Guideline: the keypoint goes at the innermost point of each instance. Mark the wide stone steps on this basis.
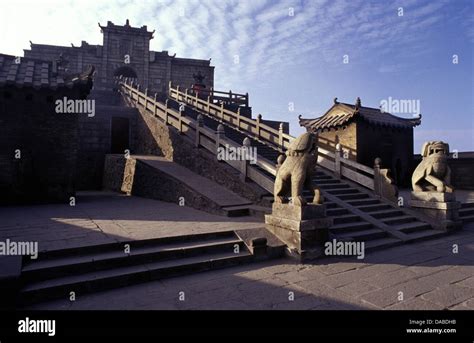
(352, 226)
(55, 274)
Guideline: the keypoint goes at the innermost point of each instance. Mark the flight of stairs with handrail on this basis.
(358, 214)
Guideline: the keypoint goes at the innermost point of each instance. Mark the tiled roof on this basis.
(342, 114)
(37, 74)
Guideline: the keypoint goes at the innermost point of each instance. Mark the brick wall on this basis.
(47, 141)
(346, 136)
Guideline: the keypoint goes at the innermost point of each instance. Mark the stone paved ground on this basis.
(428, 274)
(104, 217)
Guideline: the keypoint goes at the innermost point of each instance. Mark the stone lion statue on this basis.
(433, 172)
(294, 172)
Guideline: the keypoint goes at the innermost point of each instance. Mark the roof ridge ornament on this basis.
(335, 101)
(358, 103)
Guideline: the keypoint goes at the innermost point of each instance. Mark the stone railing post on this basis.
(280, 136)
(199, 124)
(169, 88)
(138, 94)
(146, 98)
(177, 93)
(377, 183)
(208, 103)
(244, 163)
(337, 161)
(166, 112)
(222, 110)
(186, 95)
(181, 116)
(384, 186)
(154, 104)
(220, 133)
(259, 119)
(238, 117)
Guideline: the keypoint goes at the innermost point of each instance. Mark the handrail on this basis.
(253, 127)
(334, 162)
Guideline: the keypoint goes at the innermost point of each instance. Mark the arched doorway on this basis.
(125, 72)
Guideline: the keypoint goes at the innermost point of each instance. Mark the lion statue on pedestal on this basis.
(433, 173)
(295, 171)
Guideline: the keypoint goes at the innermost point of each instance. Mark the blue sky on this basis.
(293, 51)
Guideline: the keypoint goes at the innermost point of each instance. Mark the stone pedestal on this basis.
(441, 208)
(303, 229)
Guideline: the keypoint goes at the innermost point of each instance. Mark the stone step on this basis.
(70, 265)
(424, 235)
(125, 276)
(355, 196)
(346, 218)
(327, 181)
(364, 202)
(331, 186)
(343, 191)
(386, 213)
(331, 205)
(336, 212)
(374, 207)
(467, 205)
(466, 211)
(399, 220)
(467, 219)
(363, 235)
(413, 227)
(347, 227)
(236, 211)
(318, 178)
(382, 243)
(137, 244)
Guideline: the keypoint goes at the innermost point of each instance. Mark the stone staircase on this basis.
(358, 215)
(100, 267)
